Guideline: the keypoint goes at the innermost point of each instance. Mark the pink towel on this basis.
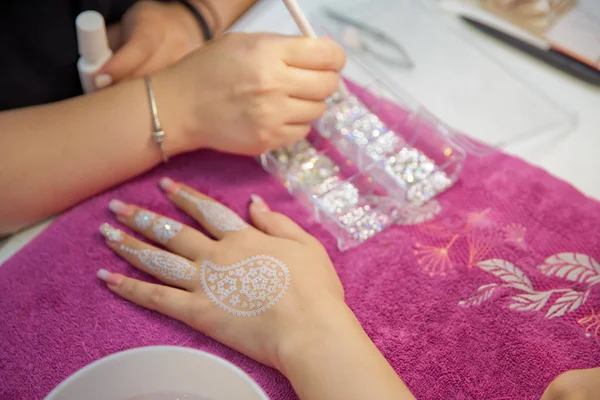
(488, 292)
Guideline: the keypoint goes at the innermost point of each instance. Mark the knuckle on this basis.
(261, 111)
(331, 83)
(156, 297)
(145, 42)
(130, 287)
(263, 138)
(333, 56)
(263, 81)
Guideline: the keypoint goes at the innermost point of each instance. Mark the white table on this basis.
(575, 158)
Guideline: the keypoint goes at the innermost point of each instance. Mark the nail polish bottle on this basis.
(92, 44)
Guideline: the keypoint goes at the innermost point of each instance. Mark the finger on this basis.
(302, 111)
(294, 133)
(161, 59)
(138, 49)
(175, 236)
(309, 53)
(164, 266)
(312, 85)
(275, 224)
(115, 36)
(217, 219)
(172, 302)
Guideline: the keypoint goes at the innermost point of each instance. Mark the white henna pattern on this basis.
(248, 288)
(216, 214)
(166, 229)
(143, 219)
(163, 263)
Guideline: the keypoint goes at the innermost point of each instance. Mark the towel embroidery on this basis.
(166, 229)
(591, 323)
(248, 288)
(216, 214)
(143, 219)
(476, 234)
(579, 268)
(165, 264)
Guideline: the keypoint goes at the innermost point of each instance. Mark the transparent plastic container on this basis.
(373, 153)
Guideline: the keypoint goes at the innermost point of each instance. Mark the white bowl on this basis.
(159, 369)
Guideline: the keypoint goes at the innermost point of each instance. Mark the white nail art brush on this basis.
(308, 31)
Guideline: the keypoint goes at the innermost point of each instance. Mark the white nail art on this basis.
(248, 288)
(143, 219)
(216, 214)
(164, 264)
(112, 234)
(166, 229)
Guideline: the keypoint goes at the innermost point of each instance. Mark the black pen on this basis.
(548, 55)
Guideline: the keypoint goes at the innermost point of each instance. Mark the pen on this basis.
(548, 55)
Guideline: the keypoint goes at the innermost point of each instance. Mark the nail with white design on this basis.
(112, 234)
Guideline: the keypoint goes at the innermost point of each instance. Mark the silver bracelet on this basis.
(158, 135)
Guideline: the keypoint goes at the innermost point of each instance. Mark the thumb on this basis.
(135, 52)
(275, 224)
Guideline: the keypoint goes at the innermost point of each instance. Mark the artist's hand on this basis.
(150, 36)
(248, 93)
(581, 384)
(253, 288)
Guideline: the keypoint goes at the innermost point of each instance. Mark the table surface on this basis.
(574, 158)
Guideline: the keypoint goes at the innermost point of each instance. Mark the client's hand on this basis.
(248, 93)
(253, 288)
(580, 384)
(150, 36)
(268, 291)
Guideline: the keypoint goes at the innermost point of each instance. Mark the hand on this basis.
(249, 93)
(253, 288)
(582, 384)
(153, 35)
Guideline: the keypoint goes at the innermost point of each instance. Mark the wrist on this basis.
(173, 110)
(189, 20)
(299, 346)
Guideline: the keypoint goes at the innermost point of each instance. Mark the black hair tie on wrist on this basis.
(199, 17)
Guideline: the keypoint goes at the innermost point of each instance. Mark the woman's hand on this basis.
(151, 35)
(267, 290)
(252, 288)
(581, 384)
(249, 93)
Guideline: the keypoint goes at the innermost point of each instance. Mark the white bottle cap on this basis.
(92, 41)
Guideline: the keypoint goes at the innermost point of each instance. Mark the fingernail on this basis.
(112, 234)
(259, 203)
(102, 81)
(120, 208)
(109, 277)
(168, 185)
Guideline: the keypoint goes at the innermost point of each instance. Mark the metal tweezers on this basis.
(402, 60)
